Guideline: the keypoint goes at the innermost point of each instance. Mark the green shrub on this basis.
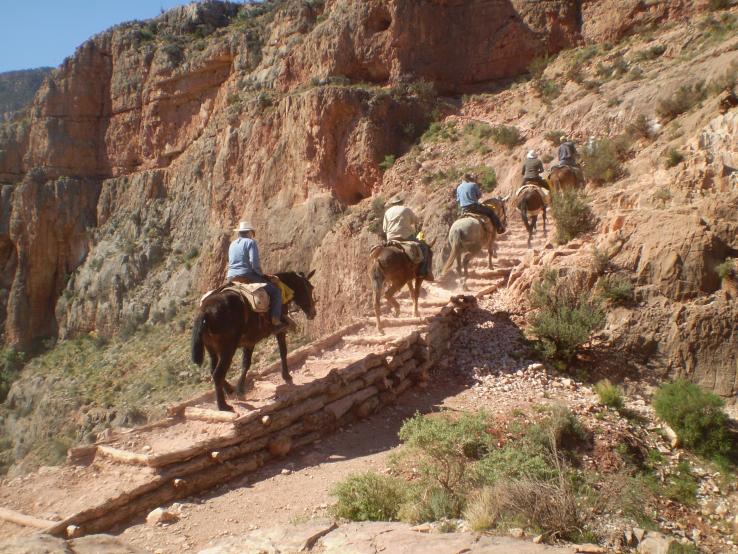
(376, 215)
(565, 319)
(369, 497)
(679, 548)
(715, 5)
(617, 288)
(561, 430)
(683, 100)
(11, 362)
(726, 269)
(673, 158)
(603, 161)
(445, 447)
(514, 461)
(600, 261)
(440, 132)
(547, 88)
(506, 135)
(696, 416)
(681, 486)
(573, 215)
(609, 394)
(389, 161)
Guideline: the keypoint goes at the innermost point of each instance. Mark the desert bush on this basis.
(617, 68)
(726, 81)
(681, 486)
(716, 5)
(673, 158)
(600, 261)
(547, 88)
(538, 66)
(554, 137)
(696, 416)
(389, 161)
(486, 177)
(683, 100)
(559, 431)
(651, 53)
(369, 497)
(514, 461)
(640, 127)
(603, 161)
(440, 132)
(573, 215)
(610, 395)
(616, 288)
(726, 269)
(11, 361)
(477, 136)
(506, 135)
(565, 319)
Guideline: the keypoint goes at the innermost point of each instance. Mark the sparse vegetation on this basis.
(651, 53)
(615, 288)
(369, 497)
(640, 127)
(486, 177)
(538, 66)
(683, 100)
(673, 158)
(440, 132)
(573, 215)
(697, 418)
(603, 162)
(389, 161)
(662, 196)
(376, 215)
(600, 261)
(506, 135)
(547, 88)
(609, 394)
(726, 269)
(11, 361)
(554, 137)
(565, 319)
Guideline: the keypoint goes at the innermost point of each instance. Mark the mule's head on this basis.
(499, 205)
(300, 283)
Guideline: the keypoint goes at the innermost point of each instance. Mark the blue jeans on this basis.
(275, 295)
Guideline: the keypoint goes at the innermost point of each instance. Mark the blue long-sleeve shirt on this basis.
(468, 194)
(243, 258)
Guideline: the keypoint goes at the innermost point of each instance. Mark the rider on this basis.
(401, 223)
(244, 266)
(568, 157)
(468, 196)
(532, 169)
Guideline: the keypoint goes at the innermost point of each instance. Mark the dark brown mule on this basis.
(563, 178)
(225, 323)
(389, 264)
(531, 204)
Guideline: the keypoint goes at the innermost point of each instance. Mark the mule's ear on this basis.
(310, 275)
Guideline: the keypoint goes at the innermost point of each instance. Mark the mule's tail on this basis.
(197, 346)
(377, 277)
(455, 252)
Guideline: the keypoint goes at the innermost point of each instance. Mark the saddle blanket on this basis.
(410, 248)
(254, 294)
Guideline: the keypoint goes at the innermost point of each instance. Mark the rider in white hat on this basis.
(401, 223)
(532, 169)
(244, 265)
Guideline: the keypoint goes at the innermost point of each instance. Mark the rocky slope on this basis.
(17, 89)
(146, 147)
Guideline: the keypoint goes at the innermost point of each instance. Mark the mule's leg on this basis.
(219, 376)
(465, 269)
(390, 296)
(545, 232)
(282, 342)
(415, 293)
(245, 365)
(377, 285)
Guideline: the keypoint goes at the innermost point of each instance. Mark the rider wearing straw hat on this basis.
(532, 169)
(244, 265)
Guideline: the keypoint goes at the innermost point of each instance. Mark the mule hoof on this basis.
(227, 387)
(226, 408)
(287, 379)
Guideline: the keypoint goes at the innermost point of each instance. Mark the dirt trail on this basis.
(127, 464)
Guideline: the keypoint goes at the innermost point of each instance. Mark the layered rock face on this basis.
(146, 147)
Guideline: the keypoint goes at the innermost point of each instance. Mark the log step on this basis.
(19, 518)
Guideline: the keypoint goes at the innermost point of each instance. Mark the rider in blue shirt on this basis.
(244, 265)
(468, 196)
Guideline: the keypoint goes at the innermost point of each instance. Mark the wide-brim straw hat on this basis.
(244, 226)
(398, 198)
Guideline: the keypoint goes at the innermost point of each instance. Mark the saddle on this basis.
(482, 219)
(253, 294)
(546, 195)
(411, 249)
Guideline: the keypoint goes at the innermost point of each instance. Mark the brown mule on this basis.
(563, 178)
(531, 203)
(389, 264)
(224, 323)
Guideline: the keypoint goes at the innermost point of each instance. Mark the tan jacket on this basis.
(400, 223)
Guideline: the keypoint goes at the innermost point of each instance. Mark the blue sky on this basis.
(43, 32)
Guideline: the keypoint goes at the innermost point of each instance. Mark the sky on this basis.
(44, 32)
